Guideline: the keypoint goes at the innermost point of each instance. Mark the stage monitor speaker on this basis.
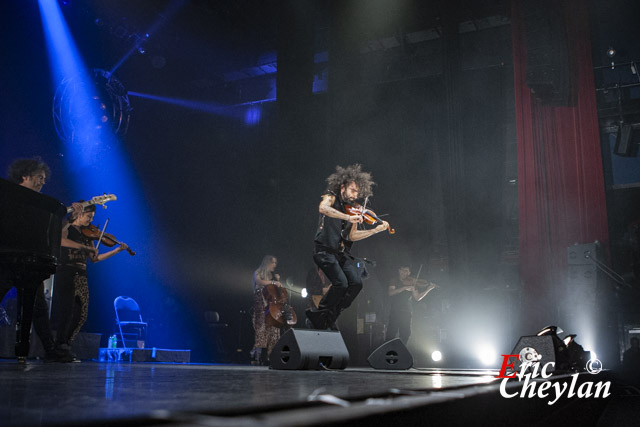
(543, 349)
(583, 254)
(309, 349)
(391, 355)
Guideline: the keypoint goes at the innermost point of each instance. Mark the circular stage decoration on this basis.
(102, 101)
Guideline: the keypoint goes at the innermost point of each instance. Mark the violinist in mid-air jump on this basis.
(337, 230)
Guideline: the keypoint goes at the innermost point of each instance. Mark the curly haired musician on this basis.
(334, 237)
(33, 174)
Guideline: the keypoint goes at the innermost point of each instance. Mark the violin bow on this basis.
(364, 210)
(415, 281)
(102, 233)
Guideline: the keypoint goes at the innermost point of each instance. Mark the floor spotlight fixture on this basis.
(578, 357)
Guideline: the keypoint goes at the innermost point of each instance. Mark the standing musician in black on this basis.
(33, 174)
(402, 291)
(336, 233)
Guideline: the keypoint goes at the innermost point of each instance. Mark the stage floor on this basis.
(137, 394)
(39, 393)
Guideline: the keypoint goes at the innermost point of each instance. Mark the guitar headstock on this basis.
(101, 200)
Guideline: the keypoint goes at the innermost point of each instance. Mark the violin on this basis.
(418, 283)
(93, 233)
(279, 313)
(368, 216)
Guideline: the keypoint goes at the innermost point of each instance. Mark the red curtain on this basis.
(561, 185)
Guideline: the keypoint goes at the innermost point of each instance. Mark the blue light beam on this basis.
(205, 107)
(96, 164)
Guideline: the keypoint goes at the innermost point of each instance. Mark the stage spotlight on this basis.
(487, 355)
(568, 339)
(109, 100)
(304, 293)
(578, 357)
(436, 356)
(550, 330)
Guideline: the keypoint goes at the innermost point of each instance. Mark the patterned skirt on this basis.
(266, 335)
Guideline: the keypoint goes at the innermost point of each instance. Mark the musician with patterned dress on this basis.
(72, 288)
(266, 335)
(337, 230)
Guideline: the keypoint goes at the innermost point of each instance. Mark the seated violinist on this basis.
(71, 297)
(402, 291)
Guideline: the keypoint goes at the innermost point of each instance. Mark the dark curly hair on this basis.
(353, 173)
(26, 167)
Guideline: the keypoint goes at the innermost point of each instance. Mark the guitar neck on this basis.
(83, 204)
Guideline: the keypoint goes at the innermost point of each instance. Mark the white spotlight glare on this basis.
(303, 292)
(487, 355)
(436, 356)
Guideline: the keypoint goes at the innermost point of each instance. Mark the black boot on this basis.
(264, 357)
(317, 318)
(256, 354)
(327, 313)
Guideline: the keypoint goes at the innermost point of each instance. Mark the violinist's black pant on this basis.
(346, 281)
(399, 324)
(71, 302)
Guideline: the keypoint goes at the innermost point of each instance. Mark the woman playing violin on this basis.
(266, 335)
(337, 230)
(402, 290)
(72, 289)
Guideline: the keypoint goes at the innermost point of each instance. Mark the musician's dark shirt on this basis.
(332, 234)
(74, 256)
(402, 300)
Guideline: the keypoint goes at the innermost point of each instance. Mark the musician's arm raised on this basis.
(419, 295)
(325, 208)
(355, 234)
